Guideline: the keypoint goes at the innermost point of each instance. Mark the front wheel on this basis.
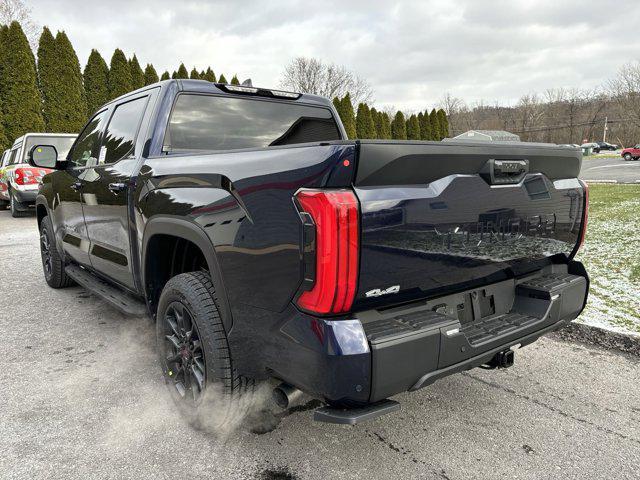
(52, 263)
(195, 357)
(628, 157)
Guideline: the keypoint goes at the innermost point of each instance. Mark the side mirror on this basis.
(43, 156)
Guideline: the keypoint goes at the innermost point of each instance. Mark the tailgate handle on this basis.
(504, 172)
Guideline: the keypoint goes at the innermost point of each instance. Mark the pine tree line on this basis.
(49, 92)
(367, 122)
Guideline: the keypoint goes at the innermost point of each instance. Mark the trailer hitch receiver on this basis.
(502, 359)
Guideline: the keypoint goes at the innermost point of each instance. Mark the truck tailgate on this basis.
(437, 218)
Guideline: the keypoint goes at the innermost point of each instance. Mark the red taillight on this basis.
(335, 214)
(25, 176)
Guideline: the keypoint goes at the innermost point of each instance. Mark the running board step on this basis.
(351, 416)
(110, 294)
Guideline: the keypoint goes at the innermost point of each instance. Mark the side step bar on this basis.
(351, 416)
(110, 294)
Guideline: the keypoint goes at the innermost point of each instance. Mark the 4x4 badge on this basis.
(377, 292)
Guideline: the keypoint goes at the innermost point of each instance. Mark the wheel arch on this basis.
(182, 229)
(42, 210)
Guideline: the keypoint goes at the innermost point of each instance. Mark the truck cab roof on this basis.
(203, 86)
(33, 134)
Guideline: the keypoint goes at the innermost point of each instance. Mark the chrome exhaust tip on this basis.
(285, 395)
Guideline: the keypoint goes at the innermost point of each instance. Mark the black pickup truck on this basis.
(266, 246)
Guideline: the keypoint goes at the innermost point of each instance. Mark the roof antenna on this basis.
(247, 83)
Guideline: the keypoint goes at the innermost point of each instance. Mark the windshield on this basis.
(62, 144)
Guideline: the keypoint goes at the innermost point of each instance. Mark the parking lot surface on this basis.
(82, 397)
(613, 168)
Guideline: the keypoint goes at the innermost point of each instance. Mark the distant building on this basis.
(488, 136)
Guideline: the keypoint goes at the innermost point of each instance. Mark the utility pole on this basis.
(604, 133)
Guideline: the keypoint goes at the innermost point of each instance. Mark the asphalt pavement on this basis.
(82, 397)
(610, 169)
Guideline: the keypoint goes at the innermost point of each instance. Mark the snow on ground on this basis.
(611, 255)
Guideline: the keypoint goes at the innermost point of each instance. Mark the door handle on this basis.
(117, 187)
(76, 186)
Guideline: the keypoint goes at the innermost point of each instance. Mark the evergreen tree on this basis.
(235, 81)
(4, 141)
(222, 79)
(194, 75)
(443, 121)
(413, 128)
(73, 99)
(48, 76)
(3, 33)
(137, 75)
(21, 106)
(398, 127)
(425, 126)
(349, 118)
(119, 75)
(96, 82)
(174, 75)
(364, 124)
(435, 126)
(338, 105)
(182, 72)
(374, 118)
(202, 74)
(209, 76)
(385, 128)
(150, 75)
(165, 76)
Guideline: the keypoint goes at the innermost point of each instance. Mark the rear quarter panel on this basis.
(243, 200)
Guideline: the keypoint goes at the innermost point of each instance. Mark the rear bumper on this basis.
(383, 353)
(26, 196)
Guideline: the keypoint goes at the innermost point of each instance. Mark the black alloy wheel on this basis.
(53, 264)
(194, 354)
(45, 251)
(184, 357)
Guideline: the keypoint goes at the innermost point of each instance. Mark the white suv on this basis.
(18, 180)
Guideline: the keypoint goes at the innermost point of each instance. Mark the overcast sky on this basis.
(410, 52)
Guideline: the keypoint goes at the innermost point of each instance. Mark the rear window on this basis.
(62, 144)
(201, 122)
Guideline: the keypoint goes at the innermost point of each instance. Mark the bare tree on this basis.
(450, 104)
(11, 10)
(310, 75)
(625, 91)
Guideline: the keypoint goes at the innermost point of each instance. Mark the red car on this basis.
(632, 153)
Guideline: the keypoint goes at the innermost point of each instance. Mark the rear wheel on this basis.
(52, 263)
(195, 357)
(628, 157)
(18, 209)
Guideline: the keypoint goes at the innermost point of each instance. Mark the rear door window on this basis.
(119, 139)
(14, 156)
(207, 122)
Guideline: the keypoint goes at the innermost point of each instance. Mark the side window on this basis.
(14, 156)
(86, 147)
(120, 137)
